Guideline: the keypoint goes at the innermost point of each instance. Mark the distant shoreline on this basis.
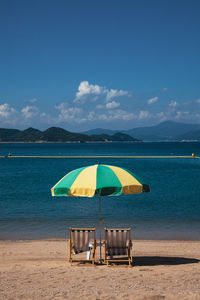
(72, 142)
(101, 142)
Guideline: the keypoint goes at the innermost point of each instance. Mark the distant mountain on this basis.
(98, 131)
(167, 130)
(16, 135)
(120, 136)
(56, 134)
(190, 136)
(8, 134)
(53, 134)
(28, 135)
(117, 137)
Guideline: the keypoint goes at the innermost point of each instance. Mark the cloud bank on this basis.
(94, 104)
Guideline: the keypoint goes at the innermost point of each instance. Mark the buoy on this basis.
(193, 155)
(9, 154)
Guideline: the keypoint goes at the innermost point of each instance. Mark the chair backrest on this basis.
(80, 239)
(116, 241)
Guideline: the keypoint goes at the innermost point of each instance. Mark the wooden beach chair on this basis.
(82, 240)
(117, 243)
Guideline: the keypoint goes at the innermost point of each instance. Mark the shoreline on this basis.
(70, 142)
(103, 142)
(66, 239)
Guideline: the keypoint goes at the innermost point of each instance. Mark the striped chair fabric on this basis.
(117, 242)
(80, 240)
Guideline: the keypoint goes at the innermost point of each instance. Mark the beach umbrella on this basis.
(101, 180)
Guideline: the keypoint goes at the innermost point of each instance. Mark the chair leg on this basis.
(69, 251)
(129, 261)
(93, 255)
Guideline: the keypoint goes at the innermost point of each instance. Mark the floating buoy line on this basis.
(100, 156)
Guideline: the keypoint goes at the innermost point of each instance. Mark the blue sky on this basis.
(87, 64)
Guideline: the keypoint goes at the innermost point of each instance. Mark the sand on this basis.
(40, 270)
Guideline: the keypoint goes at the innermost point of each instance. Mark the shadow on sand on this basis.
(162, 260)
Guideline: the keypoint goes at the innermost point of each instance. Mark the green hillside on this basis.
(56, 134)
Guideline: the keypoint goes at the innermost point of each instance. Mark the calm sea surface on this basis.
(170, 211)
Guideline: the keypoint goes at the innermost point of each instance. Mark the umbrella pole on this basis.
(100, 224)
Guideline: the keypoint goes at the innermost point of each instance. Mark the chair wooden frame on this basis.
(129, 246)
(70, 249)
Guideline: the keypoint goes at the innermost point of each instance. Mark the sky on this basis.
(112, 64)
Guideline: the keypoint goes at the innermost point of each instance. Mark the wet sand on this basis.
(39, 269)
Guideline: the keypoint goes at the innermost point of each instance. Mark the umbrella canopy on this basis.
(103, 180)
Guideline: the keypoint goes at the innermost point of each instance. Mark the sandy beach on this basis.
(39, 269)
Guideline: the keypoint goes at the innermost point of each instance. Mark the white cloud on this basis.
(143, 114)
(6, 110)
(198, 100)
(68, 113)
(182, 114)
(165, 89)
(115, 93)
(79, 115)
(62, 106)
(173, 104)
(91, 116)
(152, 100)
(100, 106)
(161, 116)
(117, 114)
(113, 104)
(85, 90)
(43, 114)
(29, 111)
(93, 92)
(173, 114)
(124, 115)
(33, 100)
(178, 115)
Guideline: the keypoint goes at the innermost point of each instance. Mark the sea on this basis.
(171, 211)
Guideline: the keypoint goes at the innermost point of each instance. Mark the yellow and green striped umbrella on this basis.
(99, 179)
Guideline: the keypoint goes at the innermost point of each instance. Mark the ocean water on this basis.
(170, 211)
